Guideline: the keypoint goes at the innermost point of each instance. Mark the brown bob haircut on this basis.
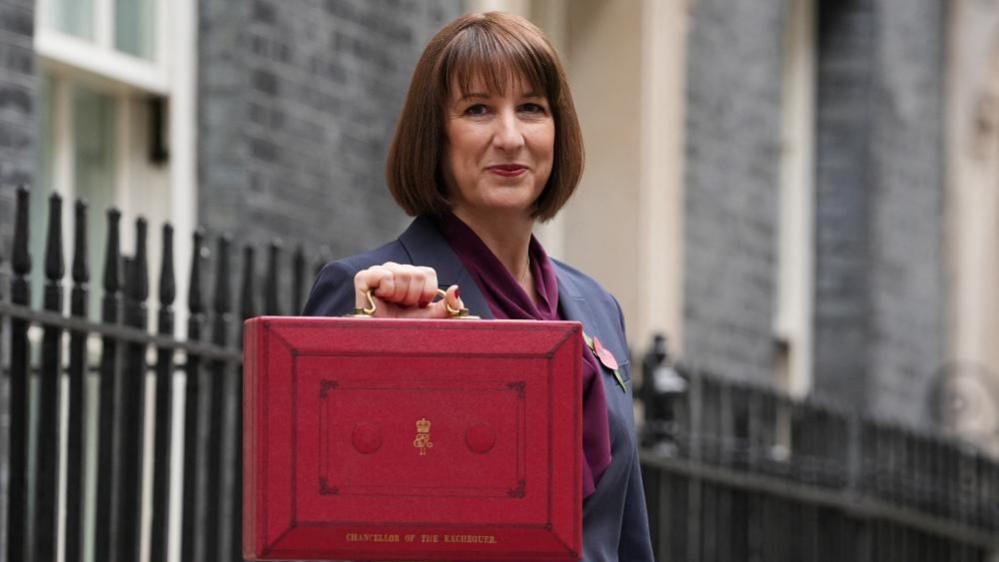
(500, 49)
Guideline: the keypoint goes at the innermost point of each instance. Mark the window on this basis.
(133, 25)
(108, 83)
(77, 150)
(130, 23)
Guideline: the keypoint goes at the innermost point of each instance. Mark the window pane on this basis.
(133, 27)
(75, 17)
(94, 158)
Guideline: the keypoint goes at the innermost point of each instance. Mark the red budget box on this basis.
(372, 439)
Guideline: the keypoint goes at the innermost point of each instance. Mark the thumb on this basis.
(452, 300)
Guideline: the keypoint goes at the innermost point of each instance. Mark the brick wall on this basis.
(733, 127)
(880, 292)
(17, 167)
(17, 99)
(297, 104)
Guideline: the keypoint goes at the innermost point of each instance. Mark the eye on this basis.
(533, 108)
(476, 109)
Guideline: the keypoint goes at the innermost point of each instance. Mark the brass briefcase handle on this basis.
(369, 311)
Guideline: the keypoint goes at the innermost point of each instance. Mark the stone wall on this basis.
(732, 181)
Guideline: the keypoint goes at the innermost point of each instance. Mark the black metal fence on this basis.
(732, 472)
(97, 373)
(737, 472)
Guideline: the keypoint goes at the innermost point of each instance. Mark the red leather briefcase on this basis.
(371, 439)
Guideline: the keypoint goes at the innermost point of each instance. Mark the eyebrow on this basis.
(484, 95)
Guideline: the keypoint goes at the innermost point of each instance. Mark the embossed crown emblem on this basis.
(423, 425)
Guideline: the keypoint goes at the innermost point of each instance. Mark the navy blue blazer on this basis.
(615, 524)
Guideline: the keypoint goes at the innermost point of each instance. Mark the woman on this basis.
(487, 145)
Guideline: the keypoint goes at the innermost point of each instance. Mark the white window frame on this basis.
(170, 74)
(99, 56)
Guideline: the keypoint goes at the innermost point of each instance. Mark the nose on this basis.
(508, 135)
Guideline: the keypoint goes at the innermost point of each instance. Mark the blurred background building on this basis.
(798, 193)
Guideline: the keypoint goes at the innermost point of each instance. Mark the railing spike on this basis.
(46, 470)
(81, 269)
(248, 306)
(195, 386)
(55, 266)
(216, 423)
(108, 485)
(132, 406)
(77, 425)
(138, 274)
(195, 300)
(168, 285)
(21, 258)
(17, 462)
(222, 279)
(112, 253)
(272, 304)
(163, 413)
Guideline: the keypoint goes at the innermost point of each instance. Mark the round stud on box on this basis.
(480, 438)
(366, 438)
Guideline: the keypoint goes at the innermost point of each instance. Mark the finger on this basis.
(451, 298)
(369, 279)
(429, 291)
(414, 294)
(397, 290)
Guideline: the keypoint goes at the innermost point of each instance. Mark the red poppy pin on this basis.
(606, 358)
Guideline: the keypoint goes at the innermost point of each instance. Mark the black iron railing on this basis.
(737, 472)
(121, 358)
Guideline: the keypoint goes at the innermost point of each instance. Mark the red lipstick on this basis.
(508, 170)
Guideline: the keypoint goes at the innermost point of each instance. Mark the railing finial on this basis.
(21, 258)
(248, 305)
(112, 254)
(81, 269)
(137, 288)
(55, 266)
(168, 286)
(195, 300)
(272, 304)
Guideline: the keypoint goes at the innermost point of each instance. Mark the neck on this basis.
(507, 237)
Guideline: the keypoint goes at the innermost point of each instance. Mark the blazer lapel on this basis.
(425, 246)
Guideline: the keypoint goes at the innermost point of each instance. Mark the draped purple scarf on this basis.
(508, 300)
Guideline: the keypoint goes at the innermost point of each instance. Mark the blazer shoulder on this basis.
(582, 285)
(578, 285)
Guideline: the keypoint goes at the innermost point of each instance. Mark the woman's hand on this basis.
(404, 291)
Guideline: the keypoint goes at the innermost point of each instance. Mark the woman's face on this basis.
(499, 148)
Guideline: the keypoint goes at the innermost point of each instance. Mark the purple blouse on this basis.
(508, 300)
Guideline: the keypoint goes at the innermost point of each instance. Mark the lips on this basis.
(507, 170)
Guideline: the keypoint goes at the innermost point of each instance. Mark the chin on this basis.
(510, 204)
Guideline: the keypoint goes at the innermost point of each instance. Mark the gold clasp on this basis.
(369, 311)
